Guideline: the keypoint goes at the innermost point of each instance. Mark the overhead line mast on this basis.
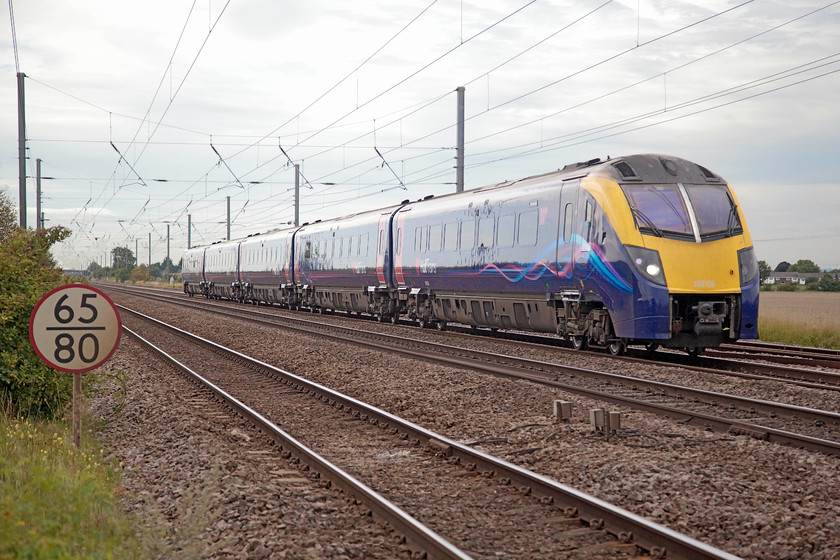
(21, 149)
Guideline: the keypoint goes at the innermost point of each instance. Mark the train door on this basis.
(382, 242)
(567, 242)
(583, 234)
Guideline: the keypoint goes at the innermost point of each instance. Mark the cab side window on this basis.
(568, 217)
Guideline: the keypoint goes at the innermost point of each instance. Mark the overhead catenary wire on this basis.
(406, 78)
(183, 80)
(474, 36)
(337, 189)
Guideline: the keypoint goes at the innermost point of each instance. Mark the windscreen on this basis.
(663, 210)
(716, 213)
(659, 208)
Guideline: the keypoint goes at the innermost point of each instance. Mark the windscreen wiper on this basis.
(732, 222)
(647, 221)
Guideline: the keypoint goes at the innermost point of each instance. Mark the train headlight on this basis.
(748, 265)
(647, 263)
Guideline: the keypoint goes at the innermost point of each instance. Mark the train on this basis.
(645, 249)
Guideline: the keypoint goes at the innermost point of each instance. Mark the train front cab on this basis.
(694, 270)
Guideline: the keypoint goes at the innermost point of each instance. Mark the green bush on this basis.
(27, 272)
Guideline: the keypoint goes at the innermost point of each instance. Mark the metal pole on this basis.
(167, 242)
(22, 149)
(189, 231)
(77, 409)
(228, 218)
(150, 248)
(297, 195)
(38, 222)
(136, 250)
(459, 148)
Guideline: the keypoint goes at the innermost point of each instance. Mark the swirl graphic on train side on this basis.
(541, 266)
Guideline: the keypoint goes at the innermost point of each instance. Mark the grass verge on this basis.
(799, 334)
(57, 502)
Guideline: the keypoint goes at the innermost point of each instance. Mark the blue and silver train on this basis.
(643, 249)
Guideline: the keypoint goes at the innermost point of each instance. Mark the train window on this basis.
(435, 234)
(450, 236)
(485, 232)
(715, 211)
(399, 240)
(587, 222)
(658, 209)
(527, 229)
(307, 250)
(505, 234)
(381, 242)
(467, 235)
(567, 223)
(419, 246)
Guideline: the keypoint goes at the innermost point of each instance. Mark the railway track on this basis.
(782, 354)
(808, 428)
(421, 469)
(756, 364)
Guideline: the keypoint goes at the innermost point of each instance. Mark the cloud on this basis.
(265, 62)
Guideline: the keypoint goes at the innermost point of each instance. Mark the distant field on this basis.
(804, 318)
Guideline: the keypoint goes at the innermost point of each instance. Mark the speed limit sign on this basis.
(75, 328)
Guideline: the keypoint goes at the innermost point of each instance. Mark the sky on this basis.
(148, 114)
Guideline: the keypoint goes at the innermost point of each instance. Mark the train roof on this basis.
(646, 168)
(643, 168)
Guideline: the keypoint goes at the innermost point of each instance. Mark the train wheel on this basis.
(441, 325)
(651, 347)
(617, 348)
(395, 318)
(694, 351)
(579, 342)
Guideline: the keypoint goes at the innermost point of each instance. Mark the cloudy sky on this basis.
(146, 112)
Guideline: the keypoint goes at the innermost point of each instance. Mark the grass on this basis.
(801, 318)
(57, 502)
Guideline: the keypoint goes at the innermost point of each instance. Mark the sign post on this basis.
(75, 329)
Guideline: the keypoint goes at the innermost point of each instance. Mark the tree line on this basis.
(123, 268)
(828, 282)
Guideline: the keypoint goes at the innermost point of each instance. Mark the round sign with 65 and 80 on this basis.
(75, 328)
